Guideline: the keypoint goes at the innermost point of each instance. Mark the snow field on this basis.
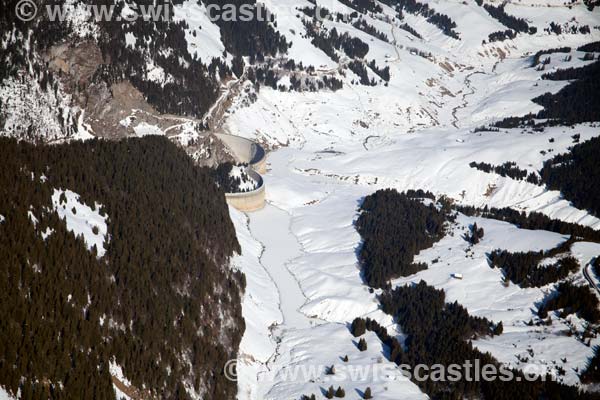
(81, 219)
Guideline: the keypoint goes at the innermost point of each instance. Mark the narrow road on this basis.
(214, 116)
(588, 277)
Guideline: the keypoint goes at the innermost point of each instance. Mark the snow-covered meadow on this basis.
(417, 133)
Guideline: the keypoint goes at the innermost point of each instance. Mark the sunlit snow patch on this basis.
(4, 395)
(32, 218)
(49, 231)
(202, 35)
(84, 221)
(80, 18)
(145, 129)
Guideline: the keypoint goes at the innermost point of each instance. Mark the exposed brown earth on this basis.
(131, 391)
(113, 111)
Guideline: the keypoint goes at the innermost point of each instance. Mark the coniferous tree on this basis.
(163, 216)
(362, 344)
(395, 227)
(575, 174)
(572, 300)
(358, 327)
(330, 392)
(524, 270)
(498, 329)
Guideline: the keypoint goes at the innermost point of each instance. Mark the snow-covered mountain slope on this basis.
(417, 132)
(429, 67)
(322, 209)
(343, 121)
(105, 244)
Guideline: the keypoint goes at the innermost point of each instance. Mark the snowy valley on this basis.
(417, 132)
(348, 98)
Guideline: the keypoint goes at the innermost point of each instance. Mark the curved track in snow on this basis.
(587, 276)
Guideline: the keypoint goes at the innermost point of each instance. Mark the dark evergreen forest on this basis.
(370, 29)
(255, 38)
(511, 22)
(395, 227)
(363, 6)
(577, 102)
(592, 372)
(500, 36)
(442, 21)
(508, 169)
(163, 289)
(537, 56)
(439, 332)
(195, 82)
(577, 175)
(532, 220)
(523, 268)
(572, 299)
(331, 41)
(590, 47)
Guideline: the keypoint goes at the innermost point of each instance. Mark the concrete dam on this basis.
(248, 152)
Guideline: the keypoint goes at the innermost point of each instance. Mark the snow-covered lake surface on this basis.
(271, 227)
(288, 357)
(299, 347)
